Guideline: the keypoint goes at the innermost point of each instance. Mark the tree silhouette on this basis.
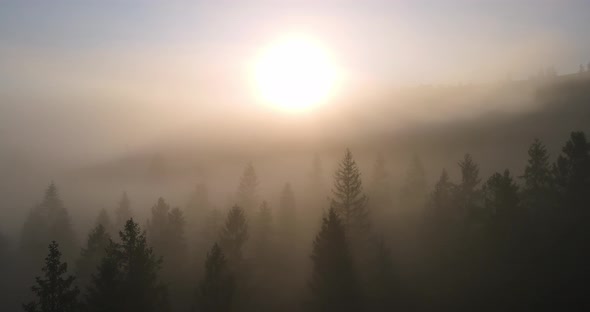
(216, 290)
(468, 196)
(441, 199)
(348, 199)
(572, 171)
(234, 235)
(104, 219)
(92, 255)
(127, 278)
(263, 232)
(287, 216)
(333, 283)
(537, 190)
(247, 195)
(501, 199)
(123, 211)
(413, 192)
(46, 222)
(55, 293)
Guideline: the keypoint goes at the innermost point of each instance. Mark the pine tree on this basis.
(127, 278)
(380, 188)
(123, 211)
(413, 192)
(501, 199)
(247, 195)
(158, 227)
(538, 183)
(92, 254)
(216, 290)
(55, 293)
(263, 232)
(348, 199)
(48, 221)
(234, 235)
(333, 283)
(104, 219)
(468, 197)
(572, 172)
(287, 218)
(441, 199)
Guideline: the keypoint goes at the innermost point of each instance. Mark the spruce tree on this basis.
(441, 199)
(572, 172)
(234, 235)
(127, 278)
(216, 290)
(123, 212)
(158, 227)
(468, 196)
(380, 188)
(333, 284)
(538, 188)
(54, 291)
(501, 199)
(104, 219)
(46, 222)
(287, 216)
(413, 192)
(92, 254)
(263, 232)
(348, 199)
(247, 195)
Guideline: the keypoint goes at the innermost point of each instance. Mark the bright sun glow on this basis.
(295, 74)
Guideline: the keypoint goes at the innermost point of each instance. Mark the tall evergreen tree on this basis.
(572, 172)
(55, 292)
(123, 211)
(127, 278)
(48, 221)
(348, 199)
(104, 219)
(537, 190)
(501, 198)
(380, 188)
(441, 199)
(468, 195)
(92, 255)
(413, 192)
(263, 232)
(234, 235)
(333, 283)
(216, 290)
(287, 216)
(158, 227)
(247, 195)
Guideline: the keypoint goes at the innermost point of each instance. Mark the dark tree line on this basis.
(508, 242)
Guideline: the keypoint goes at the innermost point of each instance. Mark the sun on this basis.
(295, 73)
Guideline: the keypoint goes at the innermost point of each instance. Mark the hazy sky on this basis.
(143, 66)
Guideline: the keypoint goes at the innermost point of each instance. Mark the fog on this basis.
(159, 102)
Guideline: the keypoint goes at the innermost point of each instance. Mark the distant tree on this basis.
(46, 222)
(123, 212)
(104, 219)
(380, 187)
(537, 190)
(54, 291)
(92, 254)
(158, 226)
(384, 292)
(216, 290)
(263, 231)
(234, 235)
(127, 278)
(441, 199)
(287, 216)
(247, 195)
(348, 199)
(501, 199)
(166, 234)
(333, 284)
(468, 196)
(572, 171)
(413, 193)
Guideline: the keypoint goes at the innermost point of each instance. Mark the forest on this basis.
(509, 241)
